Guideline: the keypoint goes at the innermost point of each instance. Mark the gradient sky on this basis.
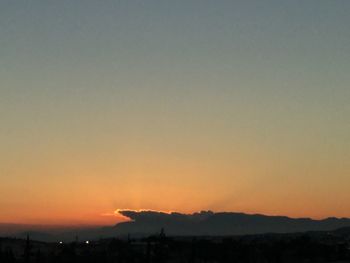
(173, 105)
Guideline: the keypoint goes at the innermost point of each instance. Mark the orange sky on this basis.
(232, 106)
(84, 190)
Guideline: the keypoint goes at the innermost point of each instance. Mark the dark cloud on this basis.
(149, 215)
(223, 223)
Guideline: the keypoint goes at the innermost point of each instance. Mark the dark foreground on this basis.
(309, 247)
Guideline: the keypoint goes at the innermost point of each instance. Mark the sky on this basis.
(181, 106)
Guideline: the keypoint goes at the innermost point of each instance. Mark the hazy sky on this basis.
(173, 105)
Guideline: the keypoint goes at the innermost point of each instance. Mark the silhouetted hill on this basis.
(39, 236)
(7, 229)
(344, 231)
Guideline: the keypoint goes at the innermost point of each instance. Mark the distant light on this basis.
(61, 242)
(87, 242)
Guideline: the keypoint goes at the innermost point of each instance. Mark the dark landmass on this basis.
(205, 223)
(315, 247)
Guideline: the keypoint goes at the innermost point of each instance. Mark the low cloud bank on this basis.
(222, 223)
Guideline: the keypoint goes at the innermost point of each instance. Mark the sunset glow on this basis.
(173, 106)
